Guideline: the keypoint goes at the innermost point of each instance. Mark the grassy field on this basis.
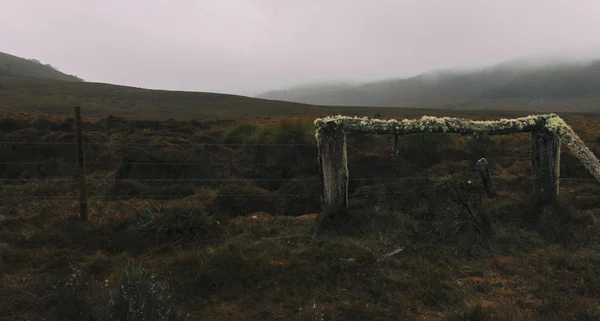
(213, 219)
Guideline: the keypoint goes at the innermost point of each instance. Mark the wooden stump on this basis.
(484, 172)
(333, 167)
(545, 163)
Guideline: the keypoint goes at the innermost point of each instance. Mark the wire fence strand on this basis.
(261, 179)
(118, 144)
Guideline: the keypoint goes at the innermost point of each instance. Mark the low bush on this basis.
(141, 296)
(240, 200)
(298, 197)
(68, 299)
(465, 209)
(177, 222)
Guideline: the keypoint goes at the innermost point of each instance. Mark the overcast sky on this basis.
(249, 46)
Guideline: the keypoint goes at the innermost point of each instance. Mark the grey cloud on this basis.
(248, 46)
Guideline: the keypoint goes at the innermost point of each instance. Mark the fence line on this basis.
(122, 146)
(158, 196)
(257, 179)
(161, 144)
(547, 133)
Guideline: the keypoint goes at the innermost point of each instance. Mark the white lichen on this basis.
(431, 124)
(426, 124)
(568, 136)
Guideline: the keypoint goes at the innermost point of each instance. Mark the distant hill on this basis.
(526, 79)
(100, 100)
(320, 94)
(505, 90)
(13, 66)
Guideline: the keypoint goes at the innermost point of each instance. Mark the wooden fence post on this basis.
(83, 205)
(545, 163)
(332, 157)
(395, 152)
(484, 172)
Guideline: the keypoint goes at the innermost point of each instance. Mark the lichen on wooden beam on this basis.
(568, 137)
(428, 124)
(548, 131)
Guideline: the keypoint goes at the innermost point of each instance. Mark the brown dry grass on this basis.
(264, 266)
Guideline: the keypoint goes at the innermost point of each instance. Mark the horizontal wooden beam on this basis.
(428, 124)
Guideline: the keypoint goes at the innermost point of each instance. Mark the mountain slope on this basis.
(319, 94)
(100, 100)
(509, 80)
(13, 66)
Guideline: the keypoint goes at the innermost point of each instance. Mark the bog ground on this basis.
(213, 219)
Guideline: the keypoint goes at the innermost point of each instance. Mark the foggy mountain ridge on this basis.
(13, 66)
(528, 78)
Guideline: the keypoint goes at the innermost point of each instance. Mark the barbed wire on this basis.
(160, 144)
(261, 179)
(117, 162)
(181, 196)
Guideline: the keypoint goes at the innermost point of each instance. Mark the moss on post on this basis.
(332, 157)
(545, 163)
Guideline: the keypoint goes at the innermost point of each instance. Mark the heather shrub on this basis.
(287, 132)
(420, 211)
(465, 208)
(241, 199)
(141, 296)
(176, 222)
(68, 299)
(298, 197)
(240, 133)
(480, 145)
(244, 130)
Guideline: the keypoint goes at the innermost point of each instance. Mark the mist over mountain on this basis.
(544, 77)
(13, 66)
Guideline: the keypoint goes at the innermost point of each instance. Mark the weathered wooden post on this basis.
(484, 172)
(395, 152)
(545, 163)
(331, 140)
(83, 204)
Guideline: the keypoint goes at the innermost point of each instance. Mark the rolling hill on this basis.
(522, 80)
(100, 99)
(13, 66)
(507, 89)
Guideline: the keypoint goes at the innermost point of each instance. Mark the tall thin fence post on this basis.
(395, 152)
(83, 204)
(545, 163)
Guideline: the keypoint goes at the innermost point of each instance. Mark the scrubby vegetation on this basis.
(214, 220)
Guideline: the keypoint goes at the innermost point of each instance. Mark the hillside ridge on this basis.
(13, 66)
(517, 79)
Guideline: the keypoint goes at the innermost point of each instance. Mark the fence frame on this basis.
(547, 133)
